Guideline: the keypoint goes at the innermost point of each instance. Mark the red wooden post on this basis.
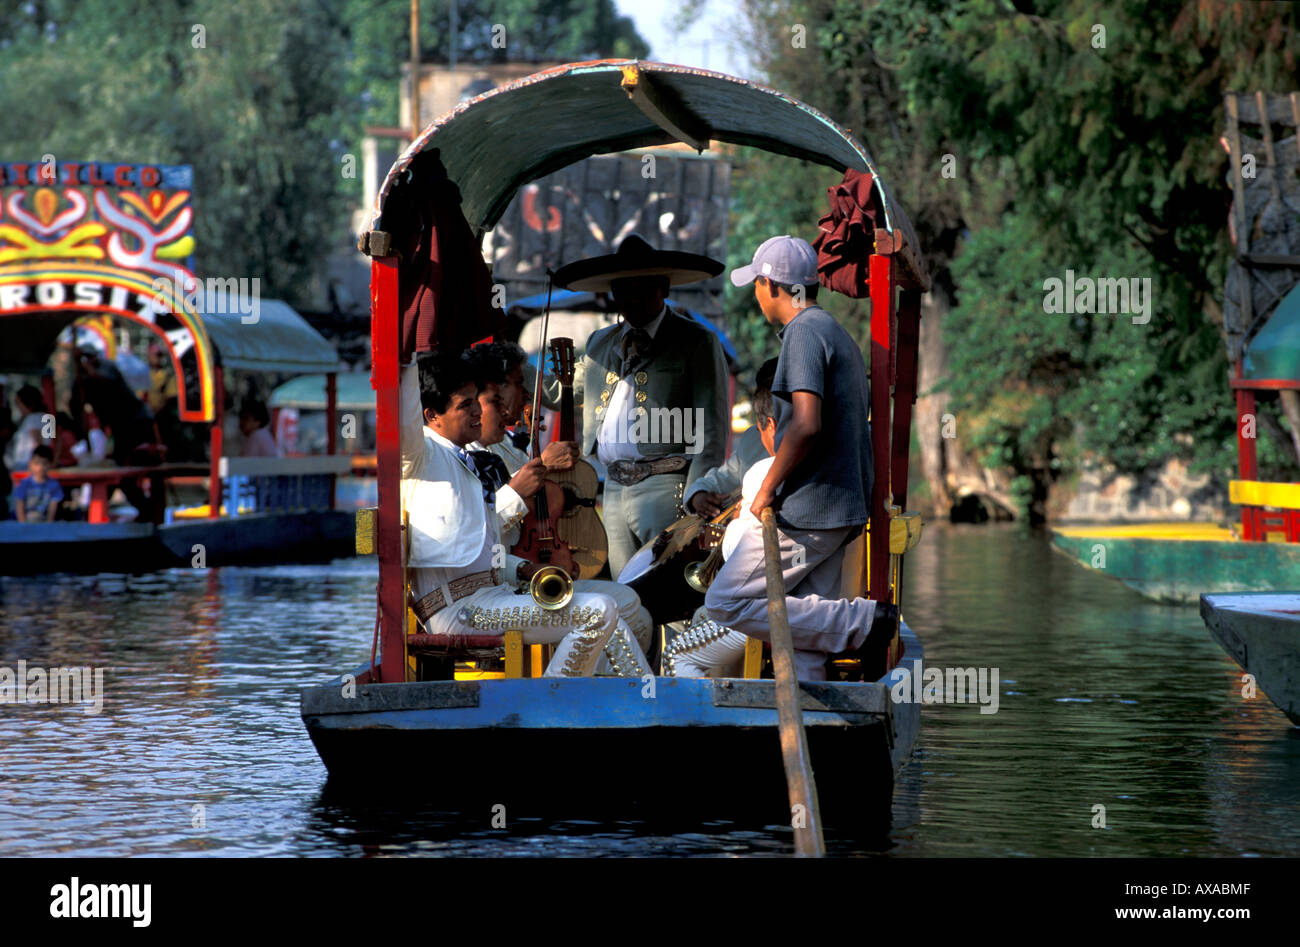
(332, 424)
(908, 341)
(1247, 464)
(217, 443)
(385, 342)
(882, 318)
(98, 511)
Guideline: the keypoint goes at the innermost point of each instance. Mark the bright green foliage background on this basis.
(1102, 160)
(267, 111)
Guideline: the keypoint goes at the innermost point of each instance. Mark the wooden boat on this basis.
(1176, 562)
(574, 746)
(71, 263)
(1261, 632)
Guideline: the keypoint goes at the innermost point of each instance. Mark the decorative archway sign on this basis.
(83, 238)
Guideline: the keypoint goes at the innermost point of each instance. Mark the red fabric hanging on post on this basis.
(444, 286)
(848, 234)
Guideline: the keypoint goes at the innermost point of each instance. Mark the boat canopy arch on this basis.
(264, 335)
(310, 392)
(495, 143)
(40, 299)
(1272, 357)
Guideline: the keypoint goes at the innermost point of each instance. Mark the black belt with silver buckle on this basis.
(627, 472)
(435, 601)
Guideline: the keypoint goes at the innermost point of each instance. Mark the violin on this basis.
(563, 513)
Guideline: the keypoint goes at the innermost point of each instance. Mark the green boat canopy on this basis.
(275, 339)
(308, 392)
(497, 142)
(1274, 353)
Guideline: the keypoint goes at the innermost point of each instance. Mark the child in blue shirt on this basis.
(36, 499)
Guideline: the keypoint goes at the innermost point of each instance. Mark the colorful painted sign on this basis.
(116, 239)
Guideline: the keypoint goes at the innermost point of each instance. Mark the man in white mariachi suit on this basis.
(491, 363)
(653, 390)
(456, 558)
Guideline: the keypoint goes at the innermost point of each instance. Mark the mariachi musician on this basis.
(653, 390)
(456, 581)
(518, 478)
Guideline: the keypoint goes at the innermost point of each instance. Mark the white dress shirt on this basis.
(614, 442)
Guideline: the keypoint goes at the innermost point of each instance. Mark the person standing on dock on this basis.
(822, 469)
(456, 558)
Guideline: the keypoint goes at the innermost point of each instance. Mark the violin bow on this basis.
(534, 433)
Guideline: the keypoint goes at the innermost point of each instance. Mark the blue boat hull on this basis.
(39, 548)
(611, 748)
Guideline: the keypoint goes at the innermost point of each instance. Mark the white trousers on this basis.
(638, 621)
(704, 649)
(581, 631)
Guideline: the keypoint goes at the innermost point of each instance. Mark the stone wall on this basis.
(1168, 493)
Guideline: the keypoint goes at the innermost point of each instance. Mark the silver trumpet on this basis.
(700, 575)
(551, 587)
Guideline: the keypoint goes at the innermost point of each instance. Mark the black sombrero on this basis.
(635, 257)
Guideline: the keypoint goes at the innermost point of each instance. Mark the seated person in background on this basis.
(254, 424)
(32, 411)
(66, 437)
(706, 495)
(707, 649)
(36, 499)
(461, 577)
(627, 658)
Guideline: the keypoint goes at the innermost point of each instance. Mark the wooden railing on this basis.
(280, 484)
(1258, 522)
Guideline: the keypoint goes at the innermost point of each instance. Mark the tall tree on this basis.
(1082, 136)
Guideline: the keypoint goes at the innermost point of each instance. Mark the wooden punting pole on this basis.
(805, 813)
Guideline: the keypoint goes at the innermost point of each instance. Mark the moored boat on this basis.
(1177, 562)
(1261, 632)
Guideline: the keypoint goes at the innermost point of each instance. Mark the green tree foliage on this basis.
(534, 30)
(249, 93)
(267, 99)
(1072, 149)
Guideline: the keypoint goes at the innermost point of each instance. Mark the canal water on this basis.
(1105, 700)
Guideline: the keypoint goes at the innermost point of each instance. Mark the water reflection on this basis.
(1105, 700)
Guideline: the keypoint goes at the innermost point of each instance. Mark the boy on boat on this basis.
(492, 364)
(822, 469)
(36, 499)
(705, 648)
(457, 562)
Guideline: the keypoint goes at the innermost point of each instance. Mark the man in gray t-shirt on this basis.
(820, 480)
(831, 486)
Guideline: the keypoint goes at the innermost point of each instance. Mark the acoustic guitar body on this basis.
(580, 525)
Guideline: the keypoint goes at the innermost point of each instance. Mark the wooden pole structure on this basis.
(385, 369)
(805, 813)
(216, 444)
(415, 68)
(332, 420)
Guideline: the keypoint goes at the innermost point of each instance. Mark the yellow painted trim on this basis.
(1284, 496)
(1199, 532)
(536, 652)
(473, 675)
(904, 531)
(753, 658)
(514, 646)
(366, 530)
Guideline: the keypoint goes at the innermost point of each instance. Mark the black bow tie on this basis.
(491, 469)
(636, 347)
